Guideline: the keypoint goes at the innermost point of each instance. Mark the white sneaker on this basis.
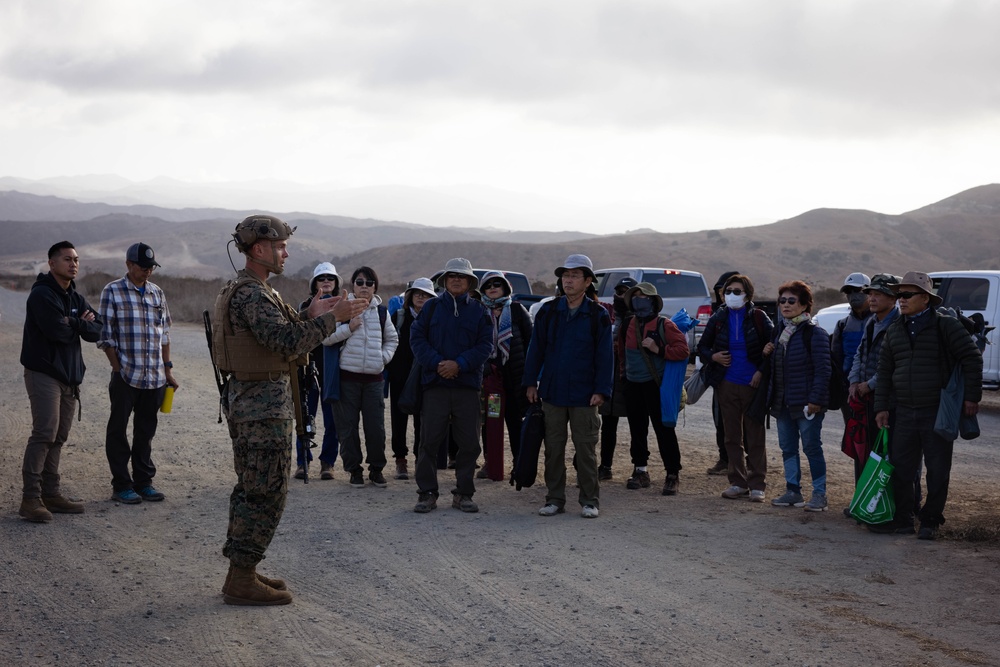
(590, 512)
(756, 496)
(551, 510)
(734, 492)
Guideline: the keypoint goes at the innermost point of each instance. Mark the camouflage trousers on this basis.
(262, 457)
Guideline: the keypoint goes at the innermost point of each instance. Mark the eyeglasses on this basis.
(735, 290)
(790, 300)
(361, 282)
(326, 279)
(907, 295)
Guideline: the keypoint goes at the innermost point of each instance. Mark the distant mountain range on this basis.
(820, 246)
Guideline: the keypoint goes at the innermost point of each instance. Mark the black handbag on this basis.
(411, 396)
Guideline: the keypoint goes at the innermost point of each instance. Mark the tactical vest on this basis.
(239, 352)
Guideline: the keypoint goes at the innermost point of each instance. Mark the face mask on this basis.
(735, 301)
(642, 307)
(857, 300)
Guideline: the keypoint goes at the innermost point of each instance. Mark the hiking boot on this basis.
(927, 532)
(245, 588)
(32, 509)
(357, 478)
(590, 512)
(325, 471)
(756, 496)
(378, 479)
(481, 473)
(891, 528)
(127, 496)
(425, 503)
(276, 584)
(817, 503)
(464, 503)
(401, 470)
(638, 480)
(603, 473)
(62, 505)
(551, 509)
(734, 492)
(791, 499)
(150, 494)
(670, 485)
(720, 468)
(300, 472)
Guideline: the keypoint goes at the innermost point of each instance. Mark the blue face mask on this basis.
(642, 307)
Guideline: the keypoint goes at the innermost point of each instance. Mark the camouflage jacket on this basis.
(279, 330)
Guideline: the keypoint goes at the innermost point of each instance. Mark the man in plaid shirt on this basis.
(136, 339)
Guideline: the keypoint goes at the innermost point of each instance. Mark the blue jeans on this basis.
(790, 429)
(331, 445)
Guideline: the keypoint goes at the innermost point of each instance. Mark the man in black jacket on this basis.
(55, 319)
(917, 356)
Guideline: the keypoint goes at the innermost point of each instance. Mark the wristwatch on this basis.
(168, 364)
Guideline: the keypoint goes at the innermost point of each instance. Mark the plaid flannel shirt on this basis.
(137, 325)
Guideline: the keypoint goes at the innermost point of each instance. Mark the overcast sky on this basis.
(715, 112)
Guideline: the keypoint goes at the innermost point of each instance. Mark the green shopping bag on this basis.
(873, 501)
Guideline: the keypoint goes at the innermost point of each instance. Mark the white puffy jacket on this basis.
(365, 349)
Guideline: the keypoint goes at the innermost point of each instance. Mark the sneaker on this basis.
(670, 485)
(300, 472)
(927, 532)
(33, 510)
(401, 470)
(817, 503)
(603, 473)
(638, 480)
(464, 503)
(790, 499)
(734, 492)
(149, 493)
(377, 478)
(720, 468)
(891, 528)
(551, 509)
(425, 503)
(128, 496)
(357, 478)
(590, 512)
(756, 496)
(481, 473)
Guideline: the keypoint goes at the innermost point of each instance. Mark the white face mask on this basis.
(735, 301)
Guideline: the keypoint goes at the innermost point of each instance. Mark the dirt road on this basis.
(690, 580)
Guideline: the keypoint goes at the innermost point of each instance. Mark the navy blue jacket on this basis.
(53, 329)
(459, 330)
(806, 376)
(565, 357)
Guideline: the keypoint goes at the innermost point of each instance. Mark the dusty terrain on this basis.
(691, 580)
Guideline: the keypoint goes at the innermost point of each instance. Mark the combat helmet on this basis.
(262, 228)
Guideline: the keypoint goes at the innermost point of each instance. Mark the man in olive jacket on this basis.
(918, 354)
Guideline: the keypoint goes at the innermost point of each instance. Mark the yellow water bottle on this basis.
(168, 399)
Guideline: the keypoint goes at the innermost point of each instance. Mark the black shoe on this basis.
(425, 503)
(927, 532)
(603, 473)
(891, 528)
(638, 480)
(670, 485)
(377, 478)
(357, 478)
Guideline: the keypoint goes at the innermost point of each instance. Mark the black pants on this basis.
(127, 401)
(399, 420)
(449, 412)
(609, 439)
(643, 404)
(915, 438)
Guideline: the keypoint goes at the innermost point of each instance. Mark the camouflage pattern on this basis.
(262, 456)
(260, 421)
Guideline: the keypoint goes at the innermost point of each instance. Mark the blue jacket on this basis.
(806, 373)
(458, 329)
(571, 359)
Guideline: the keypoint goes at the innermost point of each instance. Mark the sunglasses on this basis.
(907, 295)
(326, 279)
(493, 285)
(361, 282)
(790, 300)
(735, 290)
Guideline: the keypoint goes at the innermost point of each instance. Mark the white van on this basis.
(975, 292)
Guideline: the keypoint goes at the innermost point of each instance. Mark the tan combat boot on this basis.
(246, 589)
(62, 505)
(32, 509)
(276, 584)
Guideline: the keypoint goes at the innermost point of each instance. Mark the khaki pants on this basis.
(747, 469)
(52, 407)
(585, 426)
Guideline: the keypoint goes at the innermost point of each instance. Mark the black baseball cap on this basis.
(141, 254)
